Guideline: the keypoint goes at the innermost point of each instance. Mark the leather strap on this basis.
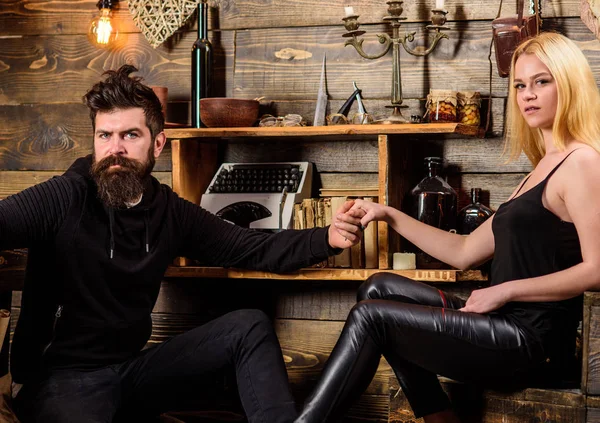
(520, 7)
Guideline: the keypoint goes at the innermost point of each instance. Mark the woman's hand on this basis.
(487, 299)
(370, 211)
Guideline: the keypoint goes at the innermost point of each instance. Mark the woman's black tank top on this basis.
(532, 241)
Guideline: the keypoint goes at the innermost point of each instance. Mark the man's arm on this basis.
(35, 214)
(216, 242)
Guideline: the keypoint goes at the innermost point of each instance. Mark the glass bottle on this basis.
(202, 53)
(434, 200)
(473, 215)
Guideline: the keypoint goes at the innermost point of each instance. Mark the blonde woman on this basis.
(544, 241)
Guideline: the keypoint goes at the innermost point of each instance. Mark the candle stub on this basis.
(349, 11)
(404, 261)
(439, 4)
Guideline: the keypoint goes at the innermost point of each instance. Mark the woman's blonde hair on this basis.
(578, 109)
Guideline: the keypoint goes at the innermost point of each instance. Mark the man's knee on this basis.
(56, 411)
(252, 323)
(250, 317)
(377, 286)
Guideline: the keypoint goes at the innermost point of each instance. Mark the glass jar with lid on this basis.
(441, 106)
(469, 104)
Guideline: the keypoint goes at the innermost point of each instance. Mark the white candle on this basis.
(439, 4)
(350, 10)
(404, 261)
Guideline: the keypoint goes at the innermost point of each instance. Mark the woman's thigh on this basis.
(468, 347)
(389, 286)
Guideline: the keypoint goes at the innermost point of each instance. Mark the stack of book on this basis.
(320, 212)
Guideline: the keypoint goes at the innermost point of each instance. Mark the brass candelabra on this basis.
(438, 19)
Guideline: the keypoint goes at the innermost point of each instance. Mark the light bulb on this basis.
(103, 33)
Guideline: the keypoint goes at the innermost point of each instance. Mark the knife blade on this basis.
(321, 109)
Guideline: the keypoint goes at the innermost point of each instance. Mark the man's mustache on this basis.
(117, 160)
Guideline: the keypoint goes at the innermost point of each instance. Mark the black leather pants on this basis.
(420, 332)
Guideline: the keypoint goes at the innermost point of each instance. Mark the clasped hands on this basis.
(354, 216)
(350, 221)
(345, 230)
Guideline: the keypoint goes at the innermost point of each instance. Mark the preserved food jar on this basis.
(469, 104)
(441, 106)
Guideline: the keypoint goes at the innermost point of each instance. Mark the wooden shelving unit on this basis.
(325, 273)
(339, 130)
(195, 160)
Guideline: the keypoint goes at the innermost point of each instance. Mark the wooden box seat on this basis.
(529, 405)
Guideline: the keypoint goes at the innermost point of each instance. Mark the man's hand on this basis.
(345, 230)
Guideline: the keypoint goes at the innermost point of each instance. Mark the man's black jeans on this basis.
(152, 382)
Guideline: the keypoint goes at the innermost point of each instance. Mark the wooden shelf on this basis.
(315, 274)
(340, 130)
(195, 158)
(12, 277)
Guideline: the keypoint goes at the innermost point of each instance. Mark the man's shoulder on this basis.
(162, 188)
(80, 169)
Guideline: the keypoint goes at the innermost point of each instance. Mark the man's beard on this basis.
(118, 187)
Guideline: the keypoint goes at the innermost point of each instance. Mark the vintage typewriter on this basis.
(258, 195)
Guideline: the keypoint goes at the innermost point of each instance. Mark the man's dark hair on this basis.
(120, 91)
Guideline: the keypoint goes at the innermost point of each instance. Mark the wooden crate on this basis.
(590, 383)
(477, 406)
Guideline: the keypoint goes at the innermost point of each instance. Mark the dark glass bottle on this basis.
(473, 215)
(434, 201)
(201, 65)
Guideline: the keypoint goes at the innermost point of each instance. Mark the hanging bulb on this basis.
(103, 32)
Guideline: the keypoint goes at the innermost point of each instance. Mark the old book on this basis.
(299, 216)
(296, 216)
(370, 243)
(339, 192)
(327, 217)
(357, 256)
(343, 259)
(308, 209)
(320, 213)
(319, 207)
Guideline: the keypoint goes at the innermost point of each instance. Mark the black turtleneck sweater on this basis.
(93, 275)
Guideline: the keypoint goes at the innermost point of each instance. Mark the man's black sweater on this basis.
(93, 274)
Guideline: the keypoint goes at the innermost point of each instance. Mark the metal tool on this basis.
(321, 109)
(345, 109)
(361, 107)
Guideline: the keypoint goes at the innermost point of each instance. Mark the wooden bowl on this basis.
(220, 112)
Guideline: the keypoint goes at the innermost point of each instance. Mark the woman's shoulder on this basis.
(583, 154)
(583, 162)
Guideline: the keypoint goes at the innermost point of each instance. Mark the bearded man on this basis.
(100, 238)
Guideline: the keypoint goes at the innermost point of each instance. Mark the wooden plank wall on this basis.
(270, 48)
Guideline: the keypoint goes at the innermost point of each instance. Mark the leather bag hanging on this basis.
(509, 32)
